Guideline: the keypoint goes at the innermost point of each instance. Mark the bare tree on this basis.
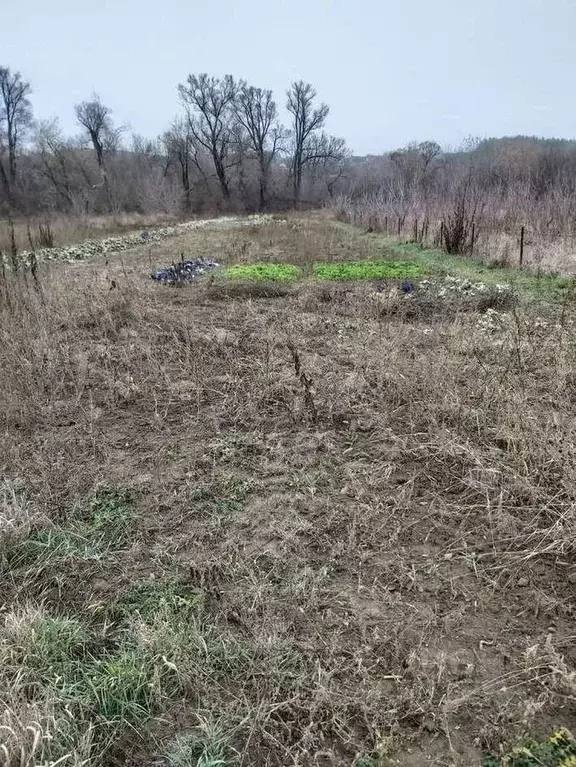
(179, 150)
(414, 161)
(306, 120)
(95, 118)
(256, 112)
(326, 156)
(15, 118)
(429, 151)
(51, 149)
(209, 104)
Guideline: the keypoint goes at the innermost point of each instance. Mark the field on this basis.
(67, 230)
(312, 517)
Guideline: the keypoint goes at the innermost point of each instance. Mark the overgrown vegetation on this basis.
(459, 202)
(349, 530)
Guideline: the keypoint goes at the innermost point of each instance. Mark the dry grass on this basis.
(497, 242)
(69, 230)
(350, 534)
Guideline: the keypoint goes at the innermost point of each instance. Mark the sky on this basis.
(391, 72)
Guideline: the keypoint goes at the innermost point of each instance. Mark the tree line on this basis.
(227, 150)
(496, 197)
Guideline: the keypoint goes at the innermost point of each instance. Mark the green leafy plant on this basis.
(368, 270)
(558, 751)
(265, 272)
(145, 598)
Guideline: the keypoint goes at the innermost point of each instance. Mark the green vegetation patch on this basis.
(88, 687)
(101, 526)
(92, 683)
(146, 598)
(204, 747)
(368, 270)
(263, 272)
(341, 271)
(558, 751)
(538, 284)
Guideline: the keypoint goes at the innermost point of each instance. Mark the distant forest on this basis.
(228, 152)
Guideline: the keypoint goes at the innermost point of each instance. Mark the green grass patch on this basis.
(85, 680)
(98, 682)
(222, 499)
(146, 598)
(204, 747)
(103, 524)
(368, 270)
(558, 751)
(436, 262)
(263, 272)
(329, 270)
(537, 284)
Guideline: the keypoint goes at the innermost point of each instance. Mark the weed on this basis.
(123, 686)
(53, 547)
(61, 663)
(110, 514)
(224, 497)
(146, 598)
(45, 235)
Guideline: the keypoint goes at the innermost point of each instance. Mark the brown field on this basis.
(272, 526)
(68, 230)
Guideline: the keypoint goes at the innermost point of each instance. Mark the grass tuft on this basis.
(206, 746)
(146, 598)
(103, 526)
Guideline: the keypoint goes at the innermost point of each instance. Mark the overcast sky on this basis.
(391, 72)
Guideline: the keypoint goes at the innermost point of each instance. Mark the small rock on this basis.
(522, 582)
(572, 577)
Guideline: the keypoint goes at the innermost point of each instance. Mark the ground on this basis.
(308, 523)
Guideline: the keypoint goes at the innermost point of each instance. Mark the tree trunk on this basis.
(221, 173)
(297, 175)
(12, 164)
(297, 187)
(5, 183)
(186, 184)
(263, 203)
